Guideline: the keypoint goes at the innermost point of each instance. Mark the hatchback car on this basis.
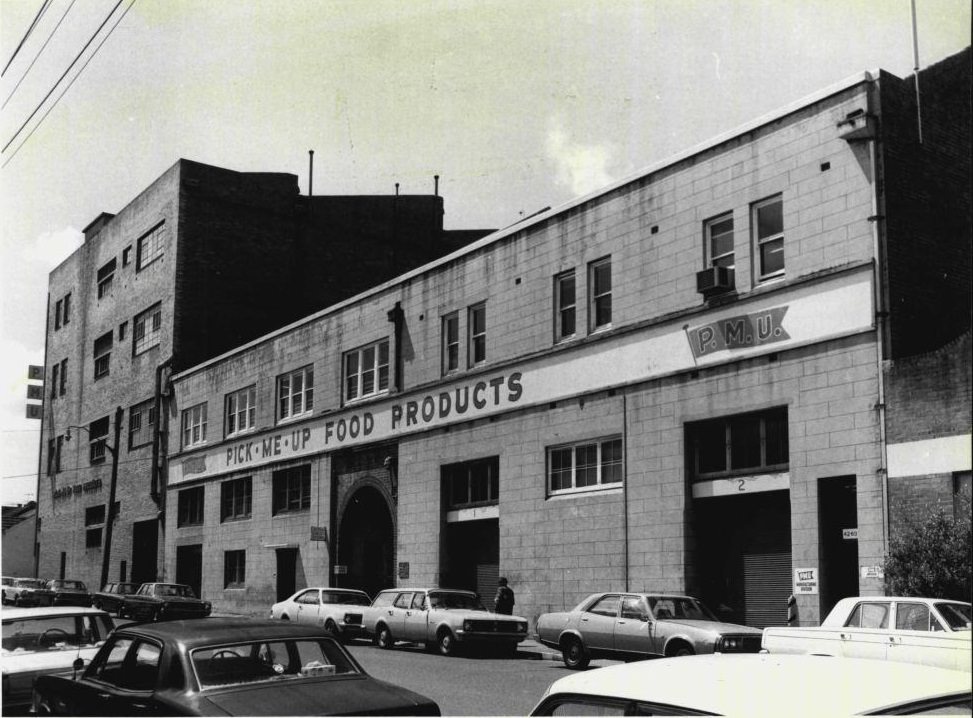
(336, 610)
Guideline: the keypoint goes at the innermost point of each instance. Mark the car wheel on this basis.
(573, 654)
(385, 639)
(332, 629)
(682, 650)
(446, 642)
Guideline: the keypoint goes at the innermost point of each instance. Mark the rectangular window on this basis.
(67, 309)
(94, 515)
(565, 307)
(194, 425)
(190, 507)
(57, 313)
(476, 324)
(62, 385)
(241, 410)
(719, 241)
(55, 375)
(92, 538)
(738, 445)
(367, 371)
(106, 275)
(234, 569)
(141, 423)
(146, 329)
(97, 438)
(121, 331)
(292, 489)
(600, 294)
(472, 483)
(450, 342)
(54, 447)
(236, 499)
(103, 355)
(150, 247)
(585, 466)
(768, 229)
(127, 256)
(295, 393)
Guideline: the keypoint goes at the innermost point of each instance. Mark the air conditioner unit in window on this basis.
(714, 280)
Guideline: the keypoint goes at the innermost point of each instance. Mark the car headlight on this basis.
(467, 625)
(728, 643)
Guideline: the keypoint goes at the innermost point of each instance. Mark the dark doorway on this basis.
(64, 563)
(189, 567)
(365, 543)
(145, 551)
(838, 540)
(471, 557)
(286, 572)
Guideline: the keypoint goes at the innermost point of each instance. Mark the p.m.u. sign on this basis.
(740, 332)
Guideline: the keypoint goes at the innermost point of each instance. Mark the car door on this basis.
(395, 618)
(416, 618)
(308, 606)
(597, 623)
(871, 621)
(633, 629)
(918, 637)
(121, 681)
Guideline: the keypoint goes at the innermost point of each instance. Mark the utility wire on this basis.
(43, 47)
(54, 87)
(76, 469)
(26, 34)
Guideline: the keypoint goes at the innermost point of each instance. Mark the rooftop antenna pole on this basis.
(915, 56)
(310, 174)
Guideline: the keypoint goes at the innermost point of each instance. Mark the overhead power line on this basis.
(61, 78)
(39, 52)
(30, 29)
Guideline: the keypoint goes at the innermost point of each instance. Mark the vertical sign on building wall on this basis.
(35, 392)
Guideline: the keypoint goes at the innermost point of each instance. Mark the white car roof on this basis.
(845, 605)
(42, 611)
(768, 684)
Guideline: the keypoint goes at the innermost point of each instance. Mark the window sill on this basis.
(368, 397)
(585, 491)
(244, 432)
(292, 418)
(144, 350)
(291, 512)
(602, 328)
(191, 447)
(190, 526)
(235, 519)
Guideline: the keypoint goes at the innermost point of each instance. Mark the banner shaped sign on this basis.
(739, 332)
(35, 372)
(35, 391)
(34, 411)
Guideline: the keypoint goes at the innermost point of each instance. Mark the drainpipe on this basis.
(625, 484)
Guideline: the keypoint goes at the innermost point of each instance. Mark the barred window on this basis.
(234, 569)
(236, 499)
(102, 355)
(97, 438)
(585, 466)
(241, 410)
(141, 422)
(367, 371)
(295, 393)
(194, 425)
(292, 489)
(150, 247)
(147, 329)
(190, 507)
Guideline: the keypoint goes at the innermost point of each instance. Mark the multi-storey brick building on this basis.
(200, 261)
(676, 383)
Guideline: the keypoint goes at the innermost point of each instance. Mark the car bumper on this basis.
(34, 601)
(72, 600)
(351, 630)
(489, 637)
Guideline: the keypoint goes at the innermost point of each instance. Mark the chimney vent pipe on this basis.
(436, 180)
(310, 174)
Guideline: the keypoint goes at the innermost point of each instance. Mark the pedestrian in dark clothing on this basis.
(504, 602)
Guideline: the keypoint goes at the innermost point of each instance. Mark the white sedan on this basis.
(336, 610)
(759, 684)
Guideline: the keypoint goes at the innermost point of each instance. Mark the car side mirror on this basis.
(645, 618)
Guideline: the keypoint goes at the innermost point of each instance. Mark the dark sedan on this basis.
(224, 666)
(69, 593)
(111, 597)
(163, 601)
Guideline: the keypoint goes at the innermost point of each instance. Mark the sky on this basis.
(517, 105)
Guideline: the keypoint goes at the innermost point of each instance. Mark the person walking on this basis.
(504, 601)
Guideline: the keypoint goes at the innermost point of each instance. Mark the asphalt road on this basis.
(472, 684)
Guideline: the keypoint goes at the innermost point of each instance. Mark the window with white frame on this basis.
(150, 246)
(450, 342)
(738, 445)
(147, 329)
(585, 466)
(194, 425)
(719, 241)
(291, 489)
(565, 306)
(295, 393)
(367, 371)
(106, 276)
(234, 569)
(103, 355)
(600, 294)
(476, 323)
(768, 231)
(141, 422)
(97, 440)
(236, 499)
(241, 409)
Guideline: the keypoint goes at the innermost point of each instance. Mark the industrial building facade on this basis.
(677, 383)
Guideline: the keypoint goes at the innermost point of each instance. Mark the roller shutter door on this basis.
(486, 582)
(766, 587)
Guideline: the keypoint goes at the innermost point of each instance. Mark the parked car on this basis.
(914, 630)
(27, 592)
(759, 685)
(69, 593)
(163, 601)
(337, 610)
(112, 595)
(224, 666)
(640, 625)
(441, 618)
(37, 641)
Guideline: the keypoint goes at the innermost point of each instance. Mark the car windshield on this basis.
(291, 659)
(127, 588)
(30, 583)
(463, 601)
(55, 633)
(957, 615)
(684, 609)
(171, 589)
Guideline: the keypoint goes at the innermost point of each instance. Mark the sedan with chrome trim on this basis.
(337, 610)
(641, 625)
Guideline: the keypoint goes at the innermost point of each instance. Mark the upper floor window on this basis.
(146, 329)
(367, 370)
(740, 444)
(103, 355)
(106, 276)
(194, 425)
(66, 318)
(768, 229)
(127, 256)
(295, 393)
(241, 409)
(150, 247)
(450, 342)
(292, 489)
(62, 311)
(584, 466)
(141, 421)
(719, 242)
(565, 307)
(55, 376)
(54, 447)
(472, 483)
(600, 294)
(94, 517)
(190, 507)
(97, 438)
(236, 499)
(477, 330)
(63, 379)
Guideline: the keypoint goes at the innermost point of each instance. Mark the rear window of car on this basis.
(344, 599)
(274, 660)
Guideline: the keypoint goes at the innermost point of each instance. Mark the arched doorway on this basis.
(366, 542)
